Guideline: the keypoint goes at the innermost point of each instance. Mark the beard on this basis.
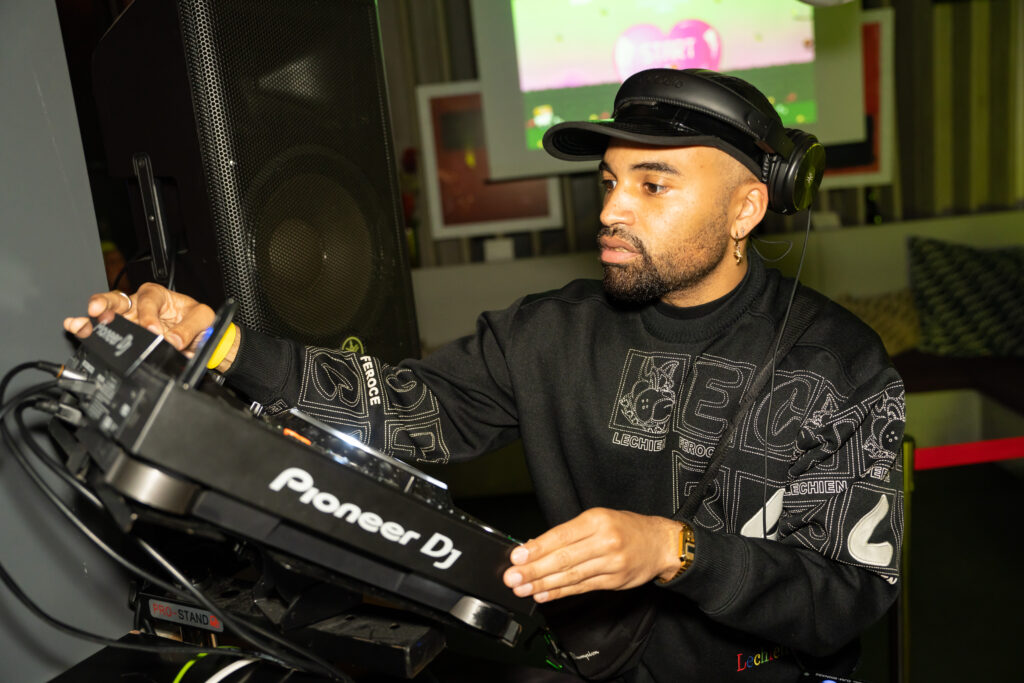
(649, 278)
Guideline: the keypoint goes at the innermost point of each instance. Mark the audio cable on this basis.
(9, 581)
(40, 397)
(771, 383)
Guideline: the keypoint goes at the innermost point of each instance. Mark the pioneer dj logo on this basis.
(301, 481)
(120, 342)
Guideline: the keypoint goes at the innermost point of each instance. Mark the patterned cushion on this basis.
(891, 315)
(970, 301)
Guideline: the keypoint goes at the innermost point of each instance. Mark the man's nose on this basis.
(617, 208)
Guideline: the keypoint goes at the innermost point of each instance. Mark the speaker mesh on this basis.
(296, 152)
(313, 273)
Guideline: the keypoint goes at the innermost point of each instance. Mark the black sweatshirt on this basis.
(622, 407)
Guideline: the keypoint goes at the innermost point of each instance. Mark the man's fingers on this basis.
(555, 539)
(556, 550)
(180, 319)
(594, 573)
(99, 303)
(186, 334)
(615, 550)
(596, 582)
(566, 562)
(104, 306)
(80, 327)
(149, 311)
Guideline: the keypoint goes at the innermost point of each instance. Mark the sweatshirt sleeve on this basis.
(831, 567)
(454, 405)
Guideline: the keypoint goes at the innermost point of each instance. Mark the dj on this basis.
(621, 392)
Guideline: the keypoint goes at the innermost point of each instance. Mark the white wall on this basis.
(449, 298)
(859, 261)
(873, 259)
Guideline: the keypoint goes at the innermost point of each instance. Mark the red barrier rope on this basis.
(968, 453)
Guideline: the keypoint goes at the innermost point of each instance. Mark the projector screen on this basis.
(545, 61)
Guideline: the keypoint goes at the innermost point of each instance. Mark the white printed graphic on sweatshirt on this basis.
(798, 394)
(765, 518)
(418, 439)
(342, 388)
(333, 382)
(333, 390)
(684, 484)
(648, 389)
(406, 395)
(885, 440)
(858, 542)
(830, 458)
(711, 400)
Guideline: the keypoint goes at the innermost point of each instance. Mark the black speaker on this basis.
(255, 138)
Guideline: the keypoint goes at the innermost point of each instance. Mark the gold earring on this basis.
(737, 253)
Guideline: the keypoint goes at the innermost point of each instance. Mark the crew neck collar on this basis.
(692, 323)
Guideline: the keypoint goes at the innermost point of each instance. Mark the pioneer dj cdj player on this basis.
(317, 520)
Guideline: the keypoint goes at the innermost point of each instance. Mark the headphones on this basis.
(793, 161)
(793, 181)
(667, 106)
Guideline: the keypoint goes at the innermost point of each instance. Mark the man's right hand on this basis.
(179, 318)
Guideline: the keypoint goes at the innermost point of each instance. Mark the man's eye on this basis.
(654, 188)
(608, 184)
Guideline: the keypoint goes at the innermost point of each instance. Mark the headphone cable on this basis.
(771, 384)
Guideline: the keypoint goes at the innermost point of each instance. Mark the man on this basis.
(621, 392)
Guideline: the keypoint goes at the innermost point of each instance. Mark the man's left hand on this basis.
(600, 549)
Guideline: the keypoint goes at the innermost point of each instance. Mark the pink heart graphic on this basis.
(690, 44)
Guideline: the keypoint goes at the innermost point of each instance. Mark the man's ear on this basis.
(752, 206)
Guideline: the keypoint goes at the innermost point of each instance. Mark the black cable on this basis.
(311, 656)
(45, 366)
(92, 637)
(7, 580)
(771, 384)
(21, 367)
(55, 467)
(25, 394)
(173, 267)
(244, 631)
(63, 507)
(144, 256)
(120, 274)
(140, 256)
(84, 529)
(789, 247)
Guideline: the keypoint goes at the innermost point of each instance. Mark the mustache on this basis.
(613, 231)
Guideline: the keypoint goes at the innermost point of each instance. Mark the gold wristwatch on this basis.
(687, 544)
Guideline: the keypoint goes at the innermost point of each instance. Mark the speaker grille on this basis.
(315, 275)
(296, 151)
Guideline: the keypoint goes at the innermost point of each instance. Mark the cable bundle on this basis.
(58, 397)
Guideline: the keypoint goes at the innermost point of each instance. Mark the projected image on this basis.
(573, 54)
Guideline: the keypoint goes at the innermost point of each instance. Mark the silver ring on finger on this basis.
(130, 303)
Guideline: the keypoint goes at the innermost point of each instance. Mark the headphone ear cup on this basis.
(793, 182)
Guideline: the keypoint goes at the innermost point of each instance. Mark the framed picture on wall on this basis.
(461, 200)
(871, 161)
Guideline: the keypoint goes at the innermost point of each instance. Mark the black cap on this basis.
(681, 108)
